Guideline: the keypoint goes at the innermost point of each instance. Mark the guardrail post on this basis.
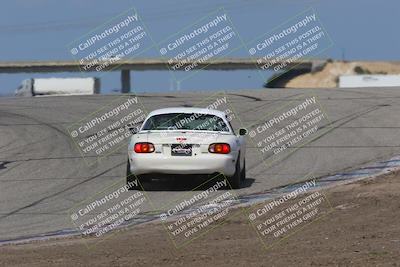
(125, 81)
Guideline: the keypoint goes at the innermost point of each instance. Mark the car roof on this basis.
(187, 110)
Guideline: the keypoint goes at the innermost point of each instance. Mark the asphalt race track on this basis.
(42, 173)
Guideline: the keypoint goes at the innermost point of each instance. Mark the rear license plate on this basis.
(181, 150)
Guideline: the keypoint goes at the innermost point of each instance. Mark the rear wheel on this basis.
(243, 172)
(235, 180)
(130, 178)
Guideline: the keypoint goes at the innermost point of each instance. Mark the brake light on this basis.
(144, 148)
(219, 148)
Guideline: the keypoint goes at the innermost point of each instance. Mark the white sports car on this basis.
(187, 141)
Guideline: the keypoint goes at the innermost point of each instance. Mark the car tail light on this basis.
(220, 148)
(144, 148)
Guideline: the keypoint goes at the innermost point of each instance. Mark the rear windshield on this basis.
(186, 121)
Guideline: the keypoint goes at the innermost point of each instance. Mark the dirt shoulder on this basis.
(362, 230)
(328, 77)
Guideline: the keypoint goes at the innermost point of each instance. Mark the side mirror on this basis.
(242, 131)
(134, 128)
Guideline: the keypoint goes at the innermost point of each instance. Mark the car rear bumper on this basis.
(199, 164)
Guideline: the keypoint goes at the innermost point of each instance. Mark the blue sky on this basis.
(41, 30)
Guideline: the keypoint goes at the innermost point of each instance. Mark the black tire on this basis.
(235, 180)
(128, 169)
(130, 178)
(243, 172)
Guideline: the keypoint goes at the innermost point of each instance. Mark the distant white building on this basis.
(378, 80)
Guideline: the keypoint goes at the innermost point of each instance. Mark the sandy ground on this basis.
(362, 230)
(329, 75)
